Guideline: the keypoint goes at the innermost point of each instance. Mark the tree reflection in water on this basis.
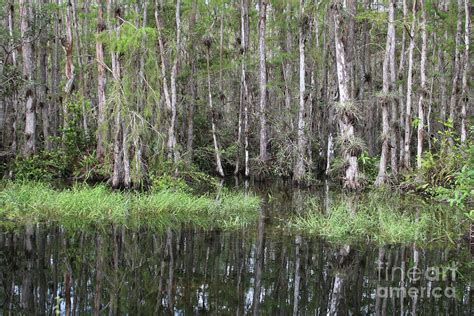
(251, 271)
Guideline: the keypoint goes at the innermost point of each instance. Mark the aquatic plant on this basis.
(383, 219)
(38, 202)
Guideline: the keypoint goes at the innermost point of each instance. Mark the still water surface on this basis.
(257, 270)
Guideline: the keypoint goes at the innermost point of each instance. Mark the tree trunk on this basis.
(193, 86)
(28, 75)
(69, 66)
(384, 99)
(457, 65)
(43, 88)
(161, 48)
(55, 75)
(172, 152)
(119, 177)
(300, 168)
(424, 91)
(219, 169)
(345, 120)
(80, 59)
(395, 132)
(262, 7)
(401, 72)
(442, 83)
(406, 159)
(246, 97)
(465, 74)
(10, 139)
(101, 107)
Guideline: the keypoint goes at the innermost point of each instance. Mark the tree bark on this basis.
(219, 169)
(121, 170)
(101, 80)
(395, 132)
(456, 65)
(407, 152)
(262, 7)
(384, 99)
(465, 74)
(69, 66)
(172, 152)
(244, 94)
(28, 75)
(346, 127)
(401, 72)
(161, 48)
(80, 59)
(193, 86)
(300, 168)
(43, 86)
(424, 91)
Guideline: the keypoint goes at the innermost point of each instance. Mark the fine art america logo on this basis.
(415, 282)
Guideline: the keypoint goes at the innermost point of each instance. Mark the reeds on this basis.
(383, 220)
(82, 204)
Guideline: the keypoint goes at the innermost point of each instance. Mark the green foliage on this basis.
(447, 174)
(384, 220)
(44, 166)
(181, 177)
(169, 183)
(132, 37)
(351, 145)
(70, 155)
(368, 165)
(86, 205)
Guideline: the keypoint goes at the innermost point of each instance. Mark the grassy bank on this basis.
(79, 205)
(385, 220)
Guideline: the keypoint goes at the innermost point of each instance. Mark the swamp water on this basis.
(260, 269)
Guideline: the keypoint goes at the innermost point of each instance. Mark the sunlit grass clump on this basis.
(383, 220)
(82, 204)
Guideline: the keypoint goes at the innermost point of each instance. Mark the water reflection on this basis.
(254, 271)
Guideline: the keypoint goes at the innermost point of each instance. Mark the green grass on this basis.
(385, 220)
(85, 205)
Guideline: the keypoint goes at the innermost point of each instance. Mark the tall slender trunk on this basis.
(456, 65)
(42, 88)
(219, 169)
(384, 99)
(121, 170)
(161, 48)
(243, 98)
(424, 91)
(172, 151)
(345, 120)
(395, 127)
(28, 75)
(401, 73)
(442, 82)
(68, 45)
(407, 153)
(80, 59)
(12, 115)
(193, 88)
(245, 41)
(287, 68)
(465, 74)
(55, 75)
(101, 107)
(300, 168)
(262, 7)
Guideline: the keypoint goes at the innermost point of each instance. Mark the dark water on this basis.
(257, 270)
